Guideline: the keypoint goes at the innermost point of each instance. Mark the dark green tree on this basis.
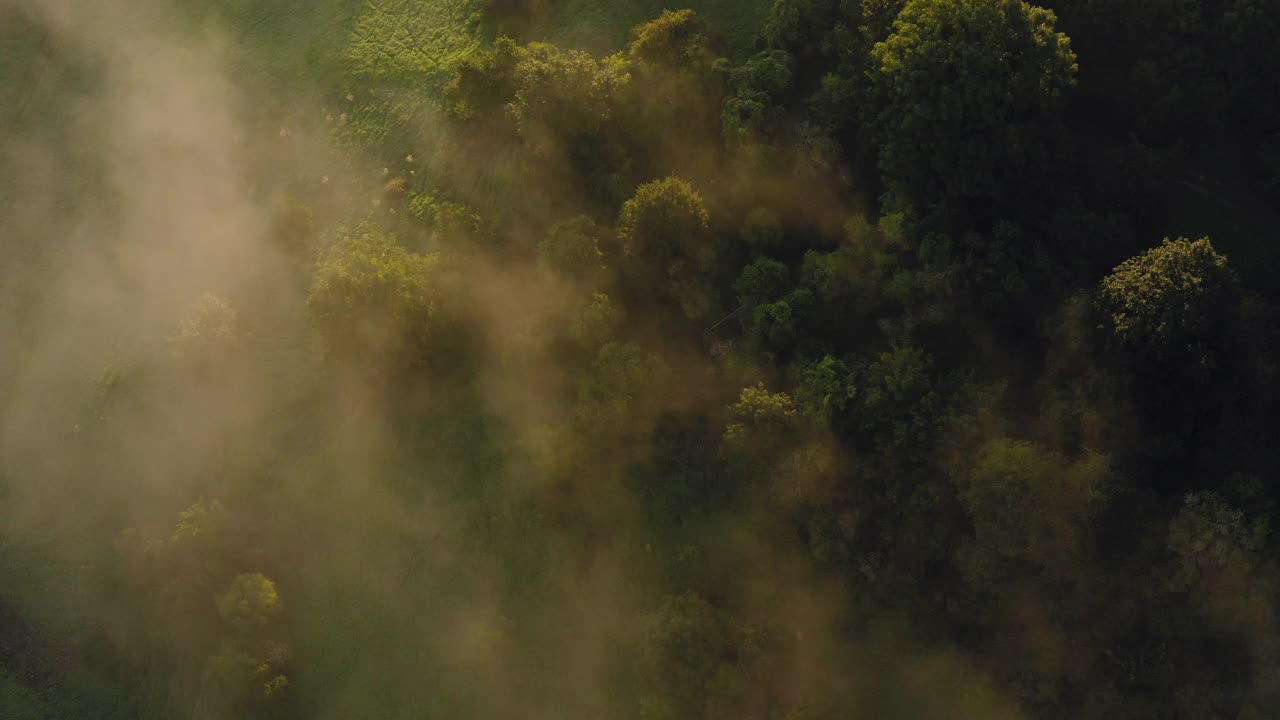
(572, 249)
(1031, 509)
(1173, 308)
(667, 244)
(965, 90)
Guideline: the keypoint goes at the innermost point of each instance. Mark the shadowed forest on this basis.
(638, 360)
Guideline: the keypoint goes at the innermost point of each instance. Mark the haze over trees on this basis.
(781, 359)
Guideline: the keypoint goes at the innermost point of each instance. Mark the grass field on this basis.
(324, 40)
(294, 38)
(411, 39)
(424, 39)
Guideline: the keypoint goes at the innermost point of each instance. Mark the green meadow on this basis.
(396, 40)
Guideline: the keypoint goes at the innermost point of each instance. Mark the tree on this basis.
(566, 113)
(564, 94)
(250, 602)
(894, 405)
(964, 89)
(761, 282)
(372, 297)
(687, 642)
(449, 222)
(202, 522)
(676, 38)
(856, 284)
(799, 26)
(247, 668)
(616, 394)
(1030, 508)
(763, 231)
(682, 480)
(572, 248)
(761, 418)
(200, 551)
(483, 82)
(775, 328)
(292, 225)
(678, 83)
(826, 387)
(209, 336)
(1173, 308)
(666, 218)
(595, 321)
(667, 243)
(1209, 538)
(753, 111)
(697, 662)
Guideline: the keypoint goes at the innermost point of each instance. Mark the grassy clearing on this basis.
(413, 39)
(323, 41)
(289, 39)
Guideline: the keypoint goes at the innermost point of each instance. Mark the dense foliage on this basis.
(843, 365)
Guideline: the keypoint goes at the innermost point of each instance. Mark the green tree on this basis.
(825, 388)
(678, 83)
(566, 111)
(246, 671)
(662, 218)
(1173, 308)
(572, 248)
(209, 336)
(761, 419)
(293, 225)
(676, 38)
(1209, 538)
(199, 552)
(763, 231)
(775, 328)
(483, 82)
(895, 405)
(754, 110)
(799, 27)
(1030, 507)
(761, 282)
(596, 321)
(250, 602)
(202, 522)
(682, 480)
(370, 297)
(1218, 561)
(564, 95)
(697, 662)
(964, 89)
(667, 244)
(616, 395)
(450, 222)
(855, 284)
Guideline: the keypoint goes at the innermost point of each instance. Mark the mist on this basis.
(358, 360)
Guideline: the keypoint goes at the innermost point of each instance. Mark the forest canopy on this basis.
(621, 359)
